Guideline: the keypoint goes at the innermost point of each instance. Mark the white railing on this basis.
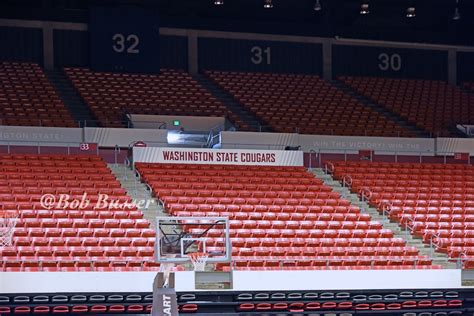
(347, 181)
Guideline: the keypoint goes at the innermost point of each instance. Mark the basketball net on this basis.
(7, 227)
(198, 259)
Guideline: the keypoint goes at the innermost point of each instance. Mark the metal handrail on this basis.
(311, 152)
(365, 198)
(329, 168)
(395, 153)
(461, 260)
(408, 229)
(127, 162)
(347, 180)
(387, 209)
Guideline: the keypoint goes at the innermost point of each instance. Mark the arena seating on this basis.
(111, 96)
(27, 98)
(81, 237)
(434, 106)
(280, 217)
(469, 86)
(303, 103)
(436, 201)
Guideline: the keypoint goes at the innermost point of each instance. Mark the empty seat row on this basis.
(434, 106)
(92, 211)
(442, 218)
(274, 219)
(173, 92)
(28, 98)
(304, 104)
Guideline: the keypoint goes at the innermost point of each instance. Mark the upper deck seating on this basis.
(27, 98)
(305, 104)
(113, 95)
(434, 106)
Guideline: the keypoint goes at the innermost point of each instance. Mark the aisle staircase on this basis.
(243, 118)
(138, 191)
(71, 98)
(382, 110)
(398, 231)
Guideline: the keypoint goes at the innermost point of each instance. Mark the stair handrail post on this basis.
(461, 259)
(407, 227)
(137, 174)
(347, 180)
(311, 152)
(432, 245)
(365, 194)
(387, 210)
(116, 148)
(329, 167)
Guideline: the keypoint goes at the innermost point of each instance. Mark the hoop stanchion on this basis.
(7, 227)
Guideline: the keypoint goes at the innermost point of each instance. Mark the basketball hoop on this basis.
(198, 259)
(7, 227)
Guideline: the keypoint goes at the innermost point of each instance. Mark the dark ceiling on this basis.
(387, 19)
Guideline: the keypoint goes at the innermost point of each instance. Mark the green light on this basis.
(176, 123)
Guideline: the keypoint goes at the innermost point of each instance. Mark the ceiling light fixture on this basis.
(218, 2)
(364, 8)
(456, 15)
(317, 6)
(411, 12)
(268, 4)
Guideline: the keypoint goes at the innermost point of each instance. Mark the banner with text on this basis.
(330, 144)
(73, 137)
(218, 156)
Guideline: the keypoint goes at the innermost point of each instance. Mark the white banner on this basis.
(252, 140)
(380, 145)
(45, 136)
(124, 137)
(119, 282)
(454, 145)
(329, 144)
(72, 137)
(218, 156)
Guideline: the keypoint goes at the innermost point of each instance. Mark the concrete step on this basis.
(394, 117)
(398, 231)
(230, 102)
(70, 97)
(150, 206)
